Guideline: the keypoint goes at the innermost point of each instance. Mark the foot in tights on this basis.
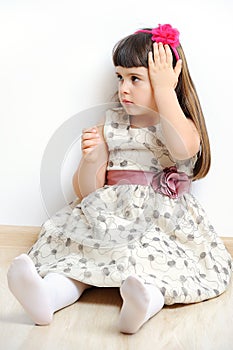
(140, 302)
(41, 297)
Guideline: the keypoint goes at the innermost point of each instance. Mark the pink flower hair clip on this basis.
(164, 34)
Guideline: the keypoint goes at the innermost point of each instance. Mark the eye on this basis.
(119, 77)
(134, 78)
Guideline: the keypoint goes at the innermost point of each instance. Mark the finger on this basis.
(89, 136)
(90, 139)
(156, 53)
(168, 54)
(87, 150)
(90, 143)
(162, 53)
(92, 129)
(150, 58)
(90, 132)
(178, 68)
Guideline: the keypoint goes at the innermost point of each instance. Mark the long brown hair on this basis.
(132, 51)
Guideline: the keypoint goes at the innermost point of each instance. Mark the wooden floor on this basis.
(91, 323)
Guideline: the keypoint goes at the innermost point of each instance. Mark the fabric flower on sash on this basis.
(171, 183)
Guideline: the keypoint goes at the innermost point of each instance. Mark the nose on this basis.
(124, 87)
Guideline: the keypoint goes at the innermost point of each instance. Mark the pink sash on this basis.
(169, 181)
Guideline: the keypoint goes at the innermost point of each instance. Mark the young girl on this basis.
(135, 225)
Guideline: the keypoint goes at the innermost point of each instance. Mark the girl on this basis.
(135, 225)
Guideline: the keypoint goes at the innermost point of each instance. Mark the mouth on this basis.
(127, 102)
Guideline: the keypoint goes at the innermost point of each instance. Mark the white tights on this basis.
(42, 297)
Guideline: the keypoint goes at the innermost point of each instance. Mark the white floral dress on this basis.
(128, 229)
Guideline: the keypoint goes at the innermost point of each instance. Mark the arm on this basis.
(91, 171)
(181, 135)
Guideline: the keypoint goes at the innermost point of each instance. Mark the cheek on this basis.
(146, 96)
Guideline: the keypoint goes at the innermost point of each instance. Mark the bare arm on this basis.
(91, 171)
(182, 138)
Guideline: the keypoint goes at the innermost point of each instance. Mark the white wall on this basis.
(55, 61)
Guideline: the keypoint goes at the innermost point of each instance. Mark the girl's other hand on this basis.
(90, 140)
(161, 72)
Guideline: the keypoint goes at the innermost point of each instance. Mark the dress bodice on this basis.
(139, 148)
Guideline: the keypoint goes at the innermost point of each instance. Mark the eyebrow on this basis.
(138, 74)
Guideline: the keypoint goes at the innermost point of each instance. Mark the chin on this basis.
(135, 110)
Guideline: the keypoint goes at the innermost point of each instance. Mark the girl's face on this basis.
(135, 91)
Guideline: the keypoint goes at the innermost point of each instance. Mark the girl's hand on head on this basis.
(90, 140)
(161, 72)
